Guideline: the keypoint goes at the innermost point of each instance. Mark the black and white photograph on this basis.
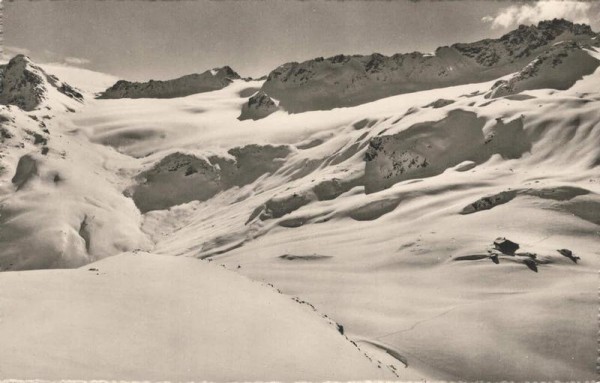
(299, 191)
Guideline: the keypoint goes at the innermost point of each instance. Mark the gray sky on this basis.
(139, 40)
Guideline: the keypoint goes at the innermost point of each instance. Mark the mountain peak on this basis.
(24, 84)
(227, 72)
(20, 59)
(565, 25)
(546, 31)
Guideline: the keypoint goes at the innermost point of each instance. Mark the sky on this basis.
(141, 40)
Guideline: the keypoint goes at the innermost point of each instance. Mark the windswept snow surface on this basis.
(381, 216)
(149, 317)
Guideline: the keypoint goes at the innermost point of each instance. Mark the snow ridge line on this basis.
(338, 326)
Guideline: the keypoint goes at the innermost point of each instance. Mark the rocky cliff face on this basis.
(339, 81)
(427, 149)
(210, 80)
(24, 84)
(258, 106)
(202, 178)
(559, 67)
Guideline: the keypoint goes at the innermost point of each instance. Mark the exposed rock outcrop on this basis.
(487, 203)
(26, 85)
(506, 246)
(179, 178)
(569, 254)
(429, 148)
(207, 81)
(27, 169)
(258, 106)
(557, 68)
(440, 103)
(560, 193)
(279, 206)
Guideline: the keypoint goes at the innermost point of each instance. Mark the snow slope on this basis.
(84, 79)
(401, 266)
(55, 192)
(381, 215)
(138, 316)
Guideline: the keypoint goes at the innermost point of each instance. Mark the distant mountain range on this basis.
(549, 54)
(351, 80)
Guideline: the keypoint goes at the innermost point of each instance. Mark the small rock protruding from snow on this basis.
(489, 202)
(258, 106)
(440, 103)
(569, 254)
(506, 246)
(27, 168)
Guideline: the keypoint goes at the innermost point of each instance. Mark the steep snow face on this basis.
(62, 205)
(258, 106)
(58, 196)
(183, 86)
(84, 79)
(322, 84)
(27, 85)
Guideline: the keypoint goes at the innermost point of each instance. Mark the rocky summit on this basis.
(26, 85)
(207, 81)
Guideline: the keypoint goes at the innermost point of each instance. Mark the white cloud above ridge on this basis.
(48, 57)
(76, 61)
(8, 52)
(532, 13)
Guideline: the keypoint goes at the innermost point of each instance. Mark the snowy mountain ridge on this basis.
(26, 85)
(342, 80)
(392, 216)
(207, 81)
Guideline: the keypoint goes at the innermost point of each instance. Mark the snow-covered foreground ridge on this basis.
(382, 215)
(149, 317)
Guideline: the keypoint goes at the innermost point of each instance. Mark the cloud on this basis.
(76, 61)
(543, 10)
(46, 56)
(10, 51)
